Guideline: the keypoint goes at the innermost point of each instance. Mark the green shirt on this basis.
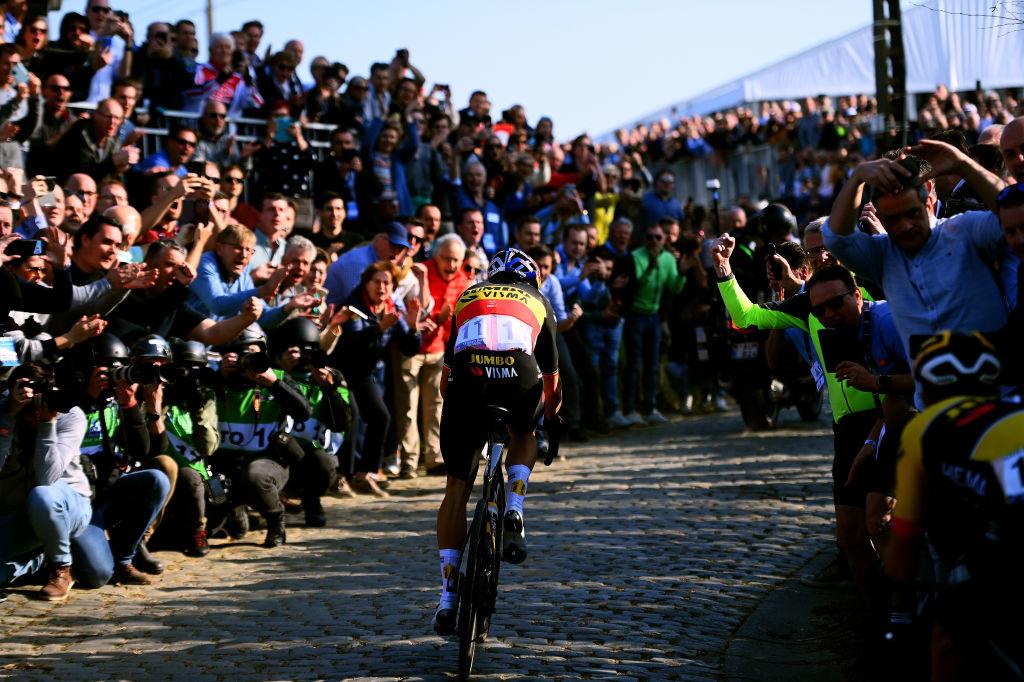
(796, 312)
(652, 281)
(92, 444)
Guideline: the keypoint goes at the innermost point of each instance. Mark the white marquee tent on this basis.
(955, 42)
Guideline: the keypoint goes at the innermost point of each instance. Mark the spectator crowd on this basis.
(200, 339)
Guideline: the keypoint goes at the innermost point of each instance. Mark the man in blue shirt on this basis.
(937, 274)
(181, 144)
(343, 275)
(660, 203)
(571, 270)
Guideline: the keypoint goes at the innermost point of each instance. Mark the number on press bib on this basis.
(495, 332)
(1010, 471)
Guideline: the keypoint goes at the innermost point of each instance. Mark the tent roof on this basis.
(955, 42)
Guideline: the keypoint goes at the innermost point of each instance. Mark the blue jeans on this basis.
(643, 347)
(52, 517)
(123, 511)
(603, 345)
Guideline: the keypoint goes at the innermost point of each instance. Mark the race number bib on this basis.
(1010, 472)
(496, 333)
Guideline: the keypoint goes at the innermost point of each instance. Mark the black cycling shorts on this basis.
(479, 379)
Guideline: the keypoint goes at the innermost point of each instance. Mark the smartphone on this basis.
(358, 313)
(51, 182)
(47, 200)
(838, 346)
(196, 167)
(20, 74)
(283, 131)
(770, 259)
(24, 248)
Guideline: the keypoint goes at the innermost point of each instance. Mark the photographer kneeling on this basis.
(182, 420)
(296, 348)
(127, 498)
(44, 494)
(253, 401)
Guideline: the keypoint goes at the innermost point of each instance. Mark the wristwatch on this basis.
(884, 383)
(153, 417)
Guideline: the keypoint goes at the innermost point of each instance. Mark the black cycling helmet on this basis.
(151, 347)
(298, 331)
(776, 222)
(107, 349)
(253, 334)
(950, 364)
(188, 352)
(511, 266)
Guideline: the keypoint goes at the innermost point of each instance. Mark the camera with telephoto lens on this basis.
(141, 373)
(256, 362)
(54, 397)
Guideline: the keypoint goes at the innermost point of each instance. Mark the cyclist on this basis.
(501, 352)
(960, 481)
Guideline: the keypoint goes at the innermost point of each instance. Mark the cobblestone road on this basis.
(648, 550)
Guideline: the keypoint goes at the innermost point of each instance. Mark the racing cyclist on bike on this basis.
(501, 352)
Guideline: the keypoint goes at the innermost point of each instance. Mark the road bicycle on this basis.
(478, 577)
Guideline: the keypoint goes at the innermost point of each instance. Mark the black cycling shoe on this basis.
(445, 619)
(513, 538)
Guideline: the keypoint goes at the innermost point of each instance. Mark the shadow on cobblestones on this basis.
(648, 551)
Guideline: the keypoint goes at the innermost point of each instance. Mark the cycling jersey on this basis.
(498, 318)
(961, 475)
(501, 345)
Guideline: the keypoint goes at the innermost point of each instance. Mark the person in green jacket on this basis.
(182, 422)
(296, 351)
(655, 271)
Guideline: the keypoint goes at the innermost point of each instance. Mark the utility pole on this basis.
(890, 73)
(209, 21)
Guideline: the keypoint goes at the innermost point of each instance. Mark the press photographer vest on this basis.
(180, 443)
(313, 430)
(247, 418)
(92, 444)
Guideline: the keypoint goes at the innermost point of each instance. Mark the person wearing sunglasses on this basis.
(164, 76)
(216, 139)
(179, 147)
(874, 374)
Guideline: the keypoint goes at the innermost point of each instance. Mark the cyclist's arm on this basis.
(552, 395)
(901, 559)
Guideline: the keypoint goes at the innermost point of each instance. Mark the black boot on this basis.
(275, 530)
(146, 562)
(315, 516)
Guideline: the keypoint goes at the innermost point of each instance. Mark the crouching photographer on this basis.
(129, 489)
(253, 403)
(296, 348)
(44, 494)
(182, 420)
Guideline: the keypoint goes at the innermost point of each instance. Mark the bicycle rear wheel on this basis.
(472, 590)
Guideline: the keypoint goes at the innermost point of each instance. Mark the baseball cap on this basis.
(397, 234)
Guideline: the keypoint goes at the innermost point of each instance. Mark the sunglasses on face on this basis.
(233, 180)
(99, 9)
(60, 88)
(654, 237)
(183, 142)
(162, 35)
(835, 303)
(214, 114)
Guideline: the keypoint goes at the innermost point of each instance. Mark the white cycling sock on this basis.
(449, 565)
(518, 476)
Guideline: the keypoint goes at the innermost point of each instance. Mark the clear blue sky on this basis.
(590, 65)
